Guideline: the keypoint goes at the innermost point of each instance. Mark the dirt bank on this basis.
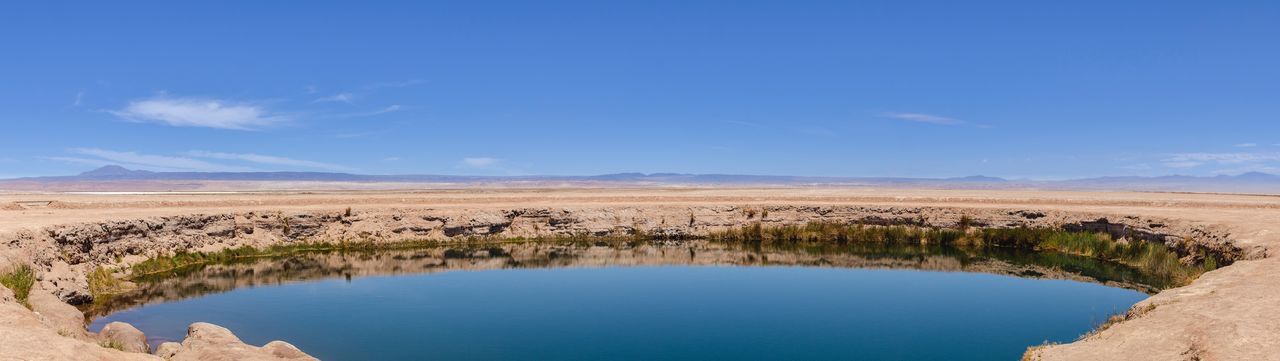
(1230, 313)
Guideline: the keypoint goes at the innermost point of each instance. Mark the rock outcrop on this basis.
(1227, 314)
(66, 253)
(207, 342)
(124, 335)
(24, 336)
(53, 330)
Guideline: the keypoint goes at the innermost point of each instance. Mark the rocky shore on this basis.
(1222, 315)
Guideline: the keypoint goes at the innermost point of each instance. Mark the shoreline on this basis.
(116, 229)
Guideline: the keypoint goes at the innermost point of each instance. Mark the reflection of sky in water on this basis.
(650, 313)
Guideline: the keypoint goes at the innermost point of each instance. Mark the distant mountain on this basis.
(1257, 177)
(115, 171)
(978, 179)
(116, 177)
(118, 173)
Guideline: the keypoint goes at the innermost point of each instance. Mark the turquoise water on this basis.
(656, 312)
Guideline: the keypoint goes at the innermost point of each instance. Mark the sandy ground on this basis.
(1229, 314)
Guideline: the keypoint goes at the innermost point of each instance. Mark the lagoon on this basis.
(609, 302)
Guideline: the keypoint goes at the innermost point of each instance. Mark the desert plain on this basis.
(1232, 313)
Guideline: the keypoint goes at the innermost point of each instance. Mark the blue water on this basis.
(653, 313)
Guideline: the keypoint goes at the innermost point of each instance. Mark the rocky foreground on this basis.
(1229, 314)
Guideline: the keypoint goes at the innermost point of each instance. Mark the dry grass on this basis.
(20, 281)
(1118, 318)
(112, 344)
(1151, 258)
(103, 284)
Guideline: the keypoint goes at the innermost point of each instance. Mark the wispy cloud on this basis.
(817, 132)
(922, 118)
(1227, 158)
(1237, 161)
(480, 162)
(196, 160)
(78, 99)
(143, 161)
(199, 112)
(1246, 145)
(79, 160)
(393, 84)
(745, 123)
(267, 160)
(388, 109)
(490, 165)
(340, 98)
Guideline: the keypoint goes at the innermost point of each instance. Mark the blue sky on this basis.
(892, 88)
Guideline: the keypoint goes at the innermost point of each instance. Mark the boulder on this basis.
(206, 341)
(128, 337)
(24, 336)
(285, 350)
(168, 349)
(57, 315)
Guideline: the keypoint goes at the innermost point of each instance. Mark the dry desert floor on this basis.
(1232, 313)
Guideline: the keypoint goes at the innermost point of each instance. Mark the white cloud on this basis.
(1246, 145)
(267, 160)
(922, 118)
(1182, 164)
(480, 162)
(371, 113)
(1225, 158)
(85, 161)
(1236, 161)
(489, 165)
(745, 123)
(199, 112)
(190, 161)
(389, 109)
(340, 97)
(79, 99)
(1247, 169)
(145, 161)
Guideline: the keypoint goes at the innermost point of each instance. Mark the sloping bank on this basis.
(73, 264)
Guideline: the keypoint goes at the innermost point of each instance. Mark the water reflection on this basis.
(217, 278)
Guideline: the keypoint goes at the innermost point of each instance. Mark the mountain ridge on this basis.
(115, 176)
(117, 172)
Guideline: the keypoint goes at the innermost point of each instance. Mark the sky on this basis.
(1018, 89)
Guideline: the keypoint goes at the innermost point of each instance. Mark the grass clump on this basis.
(1152, 258)
(1118, 318)
(20, 281)
(183, 259)
(112, 344)
(102, 283)
(839, 233)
